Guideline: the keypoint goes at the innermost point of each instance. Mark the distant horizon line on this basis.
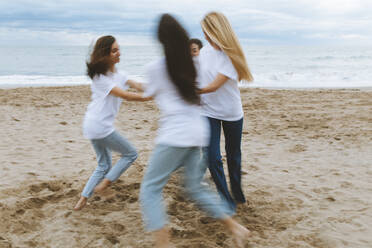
(155, 44)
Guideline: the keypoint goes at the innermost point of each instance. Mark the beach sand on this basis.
(307, 154)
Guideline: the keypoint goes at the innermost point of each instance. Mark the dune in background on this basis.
(307, 155)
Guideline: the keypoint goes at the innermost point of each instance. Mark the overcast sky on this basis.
(257, 22)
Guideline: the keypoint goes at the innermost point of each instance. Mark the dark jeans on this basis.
(233, 135)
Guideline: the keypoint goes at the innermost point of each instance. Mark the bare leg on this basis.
(162, 238)
(81, 203)
(102, 186)
(240, 233)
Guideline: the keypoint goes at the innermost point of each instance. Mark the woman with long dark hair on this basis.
(108, 89)
(181, 135)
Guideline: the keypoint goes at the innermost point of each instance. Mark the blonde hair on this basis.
(218, 29)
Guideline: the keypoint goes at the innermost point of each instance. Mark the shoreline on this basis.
(364, 88)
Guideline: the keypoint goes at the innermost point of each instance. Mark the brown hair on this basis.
(99, 62)
(197, 42)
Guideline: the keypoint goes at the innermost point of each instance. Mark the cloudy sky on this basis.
(258, 22)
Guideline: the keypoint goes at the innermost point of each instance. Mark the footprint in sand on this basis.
(20, 211)
(117, 227)
(34, 202)
(321, 190)
(113, 239)
(5, 243)
(187, 234)
(298, 148)
(31, 243)
(53, 186)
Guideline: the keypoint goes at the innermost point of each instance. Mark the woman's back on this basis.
(225, 102)
(181, 123)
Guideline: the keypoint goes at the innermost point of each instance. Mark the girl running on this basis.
(108, 89)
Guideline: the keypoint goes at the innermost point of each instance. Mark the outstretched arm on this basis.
(130, 96)
(135, 85)
(215, 85)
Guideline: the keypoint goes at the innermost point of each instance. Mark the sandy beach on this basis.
(307, 157)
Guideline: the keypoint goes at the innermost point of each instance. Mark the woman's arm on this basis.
(135, 85)
(216, 83)
(130, 96)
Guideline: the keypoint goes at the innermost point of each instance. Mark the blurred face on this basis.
(194, 49)
(115, 53)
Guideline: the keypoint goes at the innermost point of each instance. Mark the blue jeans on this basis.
(233, 135)
(103, 148)
(163, 162)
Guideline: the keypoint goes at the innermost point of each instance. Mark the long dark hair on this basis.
(180, 65)
(99, 62)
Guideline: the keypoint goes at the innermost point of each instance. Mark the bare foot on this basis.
(162, 238)
(239, 233)
(81, 203)
(102, 186)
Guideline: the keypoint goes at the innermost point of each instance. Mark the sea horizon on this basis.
(274, 66)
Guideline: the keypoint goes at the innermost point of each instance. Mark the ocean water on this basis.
(272, 66)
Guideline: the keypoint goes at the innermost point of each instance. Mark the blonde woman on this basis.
(222, 66)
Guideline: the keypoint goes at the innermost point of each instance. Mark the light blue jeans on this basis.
(103, 147)
(163, 162)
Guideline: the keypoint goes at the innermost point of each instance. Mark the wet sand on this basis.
(307, 155)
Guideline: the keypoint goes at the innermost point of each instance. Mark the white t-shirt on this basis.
(225, 103)
(181, 124)
(101, 112)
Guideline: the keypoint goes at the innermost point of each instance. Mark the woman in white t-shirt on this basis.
(222, 66)
(108, 88)
(181, 135)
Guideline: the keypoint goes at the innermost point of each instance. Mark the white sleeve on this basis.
(103, 85)
(150, 86)
(198, 70)
(227, 68)
(123, 80)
